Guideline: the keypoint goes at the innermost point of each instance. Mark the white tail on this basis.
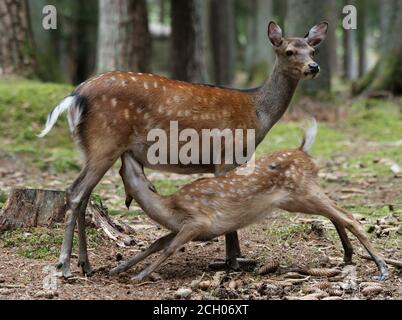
(64, 105)
(309, 136)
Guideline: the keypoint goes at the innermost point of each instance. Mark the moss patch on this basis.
(43, 243)
(24, 106)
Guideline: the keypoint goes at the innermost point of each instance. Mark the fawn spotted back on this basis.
(208, 208)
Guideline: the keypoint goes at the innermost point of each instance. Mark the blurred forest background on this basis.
(357, 100)
(214, 41)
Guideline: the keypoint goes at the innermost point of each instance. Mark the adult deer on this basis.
(112, 114)
(208, 208)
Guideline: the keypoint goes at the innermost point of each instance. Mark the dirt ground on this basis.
(295, 242)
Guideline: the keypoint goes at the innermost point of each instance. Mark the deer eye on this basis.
(313, 53)
(273, 166)
(289, 53)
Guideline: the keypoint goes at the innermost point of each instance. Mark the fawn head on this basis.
(296, 55)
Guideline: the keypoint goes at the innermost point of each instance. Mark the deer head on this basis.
(296, 55)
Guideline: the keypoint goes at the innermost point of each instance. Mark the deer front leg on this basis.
(233, 252)
(125, 176)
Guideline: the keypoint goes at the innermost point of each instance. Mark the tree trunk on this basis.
(85, 26)
(16, 41)
(302, 16)
(280, 8)
(259, 53)
(30, 208)
(124, 37)
(333, 19)
(223, 34)
(389, 68)
(349, 39)
(186, 46)
(362, 36)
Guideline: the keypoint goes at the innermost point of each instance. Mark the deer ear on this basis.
(275, 34)
(317, 34)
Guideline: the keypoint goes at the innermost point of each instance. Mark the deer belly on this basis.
(143, 154)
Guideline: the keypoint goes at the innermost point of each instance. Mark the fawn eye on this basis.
(289, 53)
(313, 53)
(273, 166)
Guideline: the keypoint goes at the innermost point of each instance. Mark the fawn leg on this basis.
(347, 246)
(346, 219)
(78, 197)
(157, 246)
(186, 234)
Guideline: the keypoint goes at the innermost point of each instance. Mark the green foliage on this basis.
(288, 135)
(24, 106)
(3, 198)
(289, 231)
(376, 120)
(43, 243)
(168, 187)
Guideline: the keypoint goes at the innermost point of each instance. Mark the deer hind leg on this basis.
(83, 261)
(78, 197)
(347, 245)
(323, 206)
(157, 246)
(127, 176)
(187, 233)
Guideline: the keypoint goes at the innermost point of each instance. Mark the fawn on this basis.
(112, 114)
(208, 208)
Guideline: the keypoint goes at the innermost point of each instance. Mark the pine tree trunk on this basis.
(223, 34)
(16, 41)
(333, 19)
(362, 37)
(389, 68)
(259, 53)
(187, 46)
(387, 74)
(124, 37)
(280, 8)
(303, 15)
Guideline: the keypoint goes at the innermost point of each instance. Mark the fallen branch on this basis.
(392, 262)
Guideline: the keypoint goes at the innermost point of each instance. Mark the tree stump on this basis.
(29, 208)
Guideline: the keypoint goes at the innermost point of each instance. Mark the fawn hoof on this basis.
(119, 269)
(64, 267)
(383, 274)
(139, 277)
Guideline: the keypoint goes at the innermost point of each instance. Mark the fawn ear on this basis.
(275, 34)
(317, 34)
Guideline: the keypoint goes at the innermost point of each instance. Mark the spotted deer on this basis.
(211, 207)
(112, 113)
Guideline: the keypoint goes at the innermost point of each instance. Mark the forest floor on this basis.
(355, 148)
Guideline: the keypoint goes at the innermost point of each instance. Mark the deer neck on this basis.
(273, 99)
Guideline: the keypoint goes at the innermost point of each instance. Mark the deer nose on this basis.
(314, 68)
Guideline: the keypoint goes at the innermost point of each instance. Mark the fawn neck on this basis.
(273, 99)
